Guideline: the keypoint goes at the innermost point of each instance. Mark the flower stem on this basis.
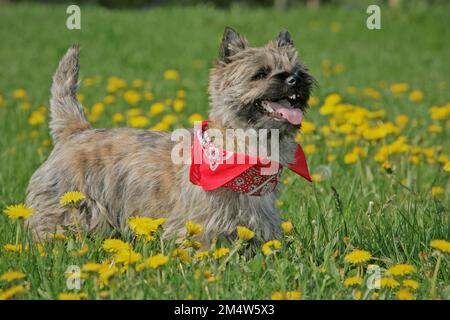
(434, 279)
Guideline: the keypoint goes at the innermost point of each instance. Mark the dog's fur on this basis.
(129, 172)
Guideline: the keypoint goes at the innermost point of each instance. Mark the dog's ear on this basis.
(232, 43)
(284, 39)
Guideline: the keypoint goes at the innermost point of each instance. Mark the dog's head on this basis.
(259, 88)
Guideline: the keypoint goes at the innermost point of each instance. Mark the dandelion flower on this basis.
(91, 267)
(9, 293)
(437, 191)
(71, 197)
(350, 158)
(13, 247)
(441, 245)
(178, 105)
(127, 257)
(193, 228)
(271, 246)
(171, 74)
(220, 252)
(19, 93)
(277, 296)
(293, 295)
(18, 211)
(71, 296)
(182, 254)
(401, 270)
(145, 226)
(201, 255)
(412, 284)
(244, 233)
(405, 294)
(287, 227)
(389, 283)
(12, 275)
(353, 281)
(157, 261)
(196, 117)
(115, 245)
(358, 256)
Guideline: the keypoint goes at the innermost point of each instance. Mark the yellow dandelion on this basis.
(192, 228)
(115, 245)
(416, 96)
(157, 261)
(160, 126)
(446, 167)
(353, 281)
(350, 158)
(71, 197)
(388, 283)
(412, 284)
(83, 251)
(181, 254)
(171, 74)
(18, 211)
(244, 233)
(109, 99)
(441, 245)
(72, 296)
(220, 252)
(287, 227)
(196, 117)
(157, 108)
(405, 294)
(91, 267)
(36, 118)
(138, 121)
(13, 247)
(293, 295)
(437, 191)
(310, 149)
(11, 292)
(397, 88)
(358, 256)
(271, 246)
(191, 244)
(145, 226)
(178, 105)
(277, 295)
(19, 93)
(401, 270)
(118, 117)
(11, 276)
(201, 255)
(127, 257)
(132, 97)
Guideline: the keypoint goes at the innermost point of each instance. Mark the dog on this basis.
(129, 172)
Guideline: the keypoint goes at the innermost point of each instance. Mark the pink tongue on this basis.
(294, 116)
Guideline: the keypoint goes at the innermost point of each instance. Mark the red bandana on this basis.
(214, 172)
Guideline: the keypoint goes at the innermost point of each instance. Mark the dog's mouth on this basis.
(285, 109)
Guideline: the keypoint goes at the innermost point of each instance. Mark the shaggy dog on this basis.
(129, 172)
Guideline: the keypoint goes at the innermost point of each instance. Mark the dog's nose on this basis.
(292, 80)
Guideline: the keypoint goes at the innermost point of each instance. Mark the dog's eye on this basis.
(261, 74)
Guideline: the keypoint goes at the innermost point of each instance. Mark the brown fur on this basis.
(129, 172)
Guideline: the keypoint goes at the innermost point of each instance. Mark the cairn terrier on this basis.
(129, 172)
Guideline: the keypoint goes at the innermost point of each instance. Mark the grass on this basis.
(355, 206)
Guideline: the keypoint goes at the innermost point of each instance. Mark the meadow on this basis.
(374, 224)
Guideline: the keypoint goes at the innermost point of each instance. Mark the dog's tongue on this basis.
(284, 109)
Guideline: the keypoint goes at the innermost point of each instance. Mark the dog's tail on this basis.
(66, 112)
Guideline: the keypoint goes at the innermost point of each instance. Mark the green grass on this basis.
(411, 47)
